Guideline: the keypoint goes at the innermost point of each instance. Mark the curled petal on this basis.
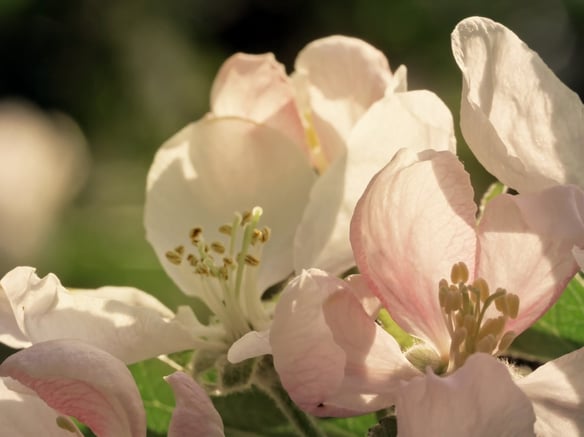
(20, 405)
(414, 221)
(331, 356)
(214, 168)
(556, 390)
(417, 120)
(194, 414)
(256, 87)
(252, 344)
(535, 234)
(522, 123)
(479, 399)
(344, 76)
(79, 380)
(115, 319)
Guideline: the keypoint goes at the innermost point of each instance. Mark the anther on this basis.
(482, 287)
(217, 247)
(512, 301)
(194, 235)
(173, 257)
(251, 260)
(266, 234)
(225, 229)
(459, 273)
(245, 217)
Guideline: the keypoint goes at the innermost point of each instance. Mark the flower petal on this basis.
(214, 168)
(344, 77)
(579, 256)
(556, 390)
(256, 87)
(79, 380)
(20, 405)
(331, 356)
(479, 399)
(523, 124)
(115, 319)
(417, 120)
(526, 244)
(253, 344)
(414, 221)
(194, 414)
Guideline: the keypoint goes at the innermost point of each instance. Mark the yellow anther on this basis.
(225, 229)
(506, 341)
(173, 257)
(245, 217)
(195, 234)
(179, 250)
(251, 260)
(487, 344)
(459, 273)
(482, 287)
(256, 236)
(453, 301)
(228, 261)
(266, 234)
(443, 295)
(217, 247)
(501, 301)
(492, 327)
(512, 301)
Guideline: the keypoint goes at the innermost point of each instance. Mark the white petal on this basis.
(479, 399)
(253, 344)
(579, 256)
(521, 122)
(344, 76)
(214, 168)
(82, 381)
(126, 322)
(417, 120)
(194, 414)
(20, 405)
(557, 392)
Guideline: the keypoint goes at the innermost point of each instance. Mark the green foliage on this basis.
(387, 427)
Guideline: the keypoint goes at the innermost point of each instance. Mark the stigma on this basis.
(464, 306)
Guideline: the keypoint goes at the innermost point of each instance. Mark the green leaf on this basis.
(387, 427)
(559, 331)
(350, 426)
(493, 191)
(404, 339)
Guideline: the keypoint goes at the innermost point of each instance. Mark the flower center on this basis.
(227, 271)
(464, 307)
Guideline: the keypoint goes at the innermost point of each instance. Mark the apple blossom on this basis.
(128, 323)
(521, 122)
(233, 201)
(415, 225)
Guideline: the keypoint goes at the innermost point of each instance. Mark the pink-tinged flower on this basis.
(521, 122)
(42, 385)
(233, 201)
(125, 322)
(194, 414)
(415, 226)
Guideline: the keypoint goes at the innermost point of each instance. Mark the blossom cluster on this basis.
(325, 221)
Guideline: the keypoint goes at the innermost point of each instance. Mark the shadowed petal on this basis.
(257, 88)
(414, 221)
(115, 319)
(556, 390)
(523, 124)
(480, 399)
(194, 414)
(82, 381)
(534, 233)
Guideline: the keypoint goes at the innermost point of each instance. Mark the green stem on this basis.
(266, 379)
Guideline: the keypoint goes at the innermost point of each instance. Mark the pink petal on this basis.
(556, 390)
(194, 414)
(82, 381)
(523, 124)
(344, 77)
(253, 344)
(526, 244)
(414, 221)
(256, 87)
(20, 405)
(115, 319)
(479, 399)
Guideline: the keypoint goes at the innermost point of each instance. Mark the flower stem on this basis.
(266, 379)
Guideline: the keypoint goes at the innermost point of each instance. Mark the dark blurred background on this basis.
(131, 73)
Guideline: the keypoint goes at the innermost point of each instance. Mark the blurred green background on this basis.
(132, 73)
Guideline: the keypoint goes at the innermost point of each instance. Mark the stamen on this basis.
(464, 308)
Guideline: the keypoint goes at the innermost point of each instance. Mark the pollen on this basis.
(464, 307)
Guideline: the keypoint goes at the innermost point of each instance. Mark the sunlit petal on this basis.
(522, 123)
